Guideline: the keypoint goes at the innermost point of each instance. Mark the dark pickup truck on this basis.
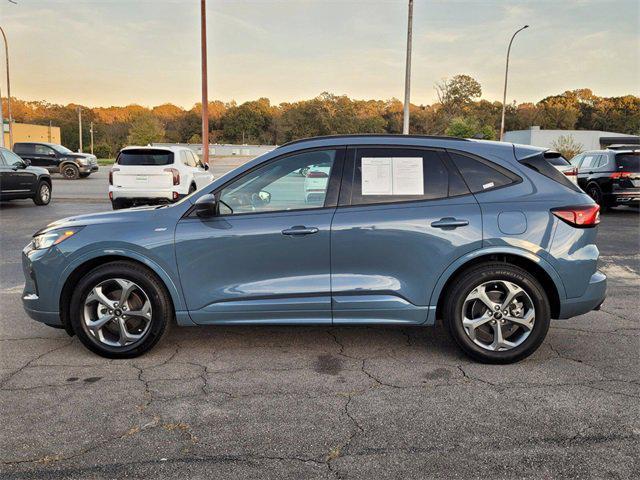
(57, 159)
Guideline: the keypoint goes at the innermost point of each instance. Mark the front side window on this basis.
(295, 182)
(384, 175)
(43, 150)
(479, 175)
(11, 158)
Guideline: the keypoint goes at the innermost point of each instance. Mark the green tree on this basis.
(469, 127)
(145, 129)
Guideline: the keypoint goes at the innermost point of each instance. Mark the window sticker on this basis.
(488, 185)
(392, 176)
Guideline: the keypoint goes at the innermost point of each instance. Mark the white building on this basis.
(589, 139)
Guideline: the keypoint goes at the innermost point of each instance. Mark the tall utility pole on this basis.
(205, 96)
(79, 130)
(506, 73)
(91, 131)
(6, 54)
(1, 122)
(407, 74)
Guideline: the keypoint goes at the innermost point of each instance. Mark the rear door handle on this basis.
(300, 230)
(449, 222)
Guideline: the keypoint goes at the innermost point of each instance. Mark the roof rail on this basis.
(373, 135)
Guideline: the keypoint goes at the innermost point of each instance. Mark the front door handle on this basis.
(449, 222)
(300, 230)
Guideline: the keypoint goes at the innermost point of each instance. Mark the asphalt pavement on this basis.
(318, 402)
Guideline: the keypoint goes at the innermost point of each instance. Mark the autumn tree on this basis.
(145, 129)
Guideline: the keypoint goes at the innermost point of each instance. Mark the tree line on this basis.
(459, 111)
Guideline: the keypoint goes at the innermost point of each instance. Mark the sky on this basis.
(117, 52)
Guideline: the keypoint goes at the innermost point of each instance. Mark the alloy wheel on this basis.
(45, 193)
(498, 315)
(117, 313)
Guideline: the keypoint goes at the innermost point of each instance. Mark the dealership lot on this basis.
(316, 402)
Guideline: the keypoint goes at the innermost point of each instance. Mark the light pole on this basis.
(1, 122)
(6, 54)
(506, 73)
(205, 96)
(407, 73)
(79, 130)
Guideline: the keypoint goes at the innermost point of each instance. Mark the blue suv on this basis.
(363, 229)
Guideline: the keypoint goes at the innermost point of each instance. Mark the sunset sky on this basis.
(113, 52)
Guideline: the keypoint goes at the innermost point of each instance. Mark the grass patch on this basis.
(106, 162)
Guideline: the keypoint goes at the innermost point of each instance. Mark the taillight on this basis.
(111, 175)
(175, 195)
(581, 217)
(317, 175)
(572, 172)
(617, 175)
(176, 175)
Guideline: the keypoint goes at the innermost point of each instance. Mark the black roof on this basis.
(373, 135)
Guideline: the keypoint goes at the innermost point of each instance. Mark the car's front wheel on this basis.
(43, 193)
(497, 313)
(70, 171)
(120, 310)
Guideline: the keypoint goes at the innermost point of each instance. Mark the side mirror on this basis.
(265, 197)
(26, 161)
(52, 154)
(206, 206)
(206, 166)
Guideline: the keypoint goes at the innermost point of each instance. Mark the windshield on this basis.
(629, 162)
(145, 156)
(61, 149)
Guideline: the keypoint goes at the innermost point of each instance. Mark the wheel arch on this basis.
(541, 269)
(80, 268)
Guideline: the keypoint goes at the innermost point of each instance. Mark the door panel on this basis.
(237, 269)
(386, 260)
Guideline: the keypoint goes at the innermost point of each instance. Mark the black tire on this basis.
(162, 308)
(70, 171)
(43, 193)
(467, 281)
(119, 203)
(84, 175)
(595, 192)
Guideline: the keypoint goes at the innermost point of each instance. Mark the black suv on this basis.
(57, 159)
(610, 177)
(20, 180)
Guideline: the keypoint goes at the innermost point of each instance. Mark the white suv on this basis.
(151, 175)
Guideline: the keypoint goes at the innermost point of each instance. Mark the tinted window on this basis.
(11, 158)
(145, 157)
(558, 161)
(383, 175)
(481, 176)
(291, 183)
(629, 162)
(43, 150)
(22, 148)
(539, 163)
(590, 161)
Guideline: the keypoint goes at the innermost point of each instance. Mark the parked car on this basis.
(610, 177)
(57, 159)
(152, 175)
(315, 183)
(19, 180)
(487, 236)
(564, 166)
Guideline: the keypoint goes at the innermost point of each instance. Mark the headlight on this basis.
(54, 237)
(83, 161)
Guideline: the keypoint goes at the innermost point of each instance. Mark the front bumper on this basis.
(37, 307)
(88, 168)
(592, 298)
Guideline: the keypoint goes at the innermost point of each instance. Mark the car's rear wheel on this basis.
(120, 310)
(595, 192)
(70, 171)
(119, 203)
(497, 313)
(43, 193)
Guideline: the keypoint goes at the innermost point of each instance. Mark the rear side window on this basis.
(590, 161)
(145, 157)
(387, 175)
(481, 175)
(628, 162)
(539, 163)
(23, 148)
(558, 161)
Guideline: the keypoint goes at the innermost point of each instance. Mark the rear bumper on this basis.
(623, 197)
(592, 298)
(166, 195)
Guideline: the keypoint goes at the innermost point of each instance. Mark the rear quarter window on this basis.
(145, 157)
(481, 175)
(22, 148)
(539, 163)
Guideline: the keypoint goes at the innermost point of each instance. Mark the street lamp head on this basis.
(526, 26)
